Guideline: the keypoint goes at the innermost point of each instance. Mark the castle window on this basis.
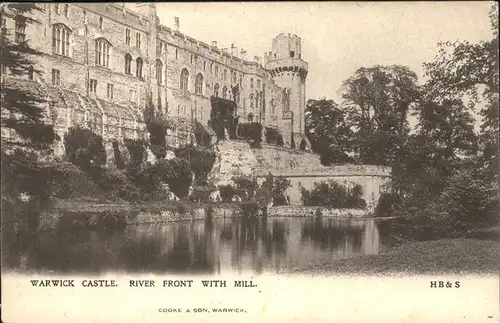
(184, 80)
(251, 83)
(258, 84)
(212, 68)
(57, 8)
(84, 17)
(127, 37)
(292, 54)
(199, 84)
(56, 77)
(66, 10)
(176, 53)
(225, 75)
(20, 29)
(159, 71)
(224, 92)
(235, 78)
(250, 117)
(93, 86)
(138, 40)
(251, 101)
(110, 91)
(31, 72)
(102, 47)
(100, 22)
(60, 39)
(132, 96)
(138, 63)
(216, 90)
(204, 65)
(128, 64)
(191, 59)
(159, 48)
(273, 106)
(216, 70)
(241, 81)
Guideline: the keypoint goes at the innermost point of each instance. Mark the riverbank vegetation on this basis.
(445, 170)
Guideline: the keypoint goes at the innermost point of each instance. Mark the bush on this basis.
(203, 138)
(201, 160)
(245, 187)
(226, 193)
(252, 132)
(249, 208)
(276, 186)
(84, 148)
(273, 136)
(333, 195)
(201, 193)
(386, 204)
(68, 181)
(175, 172)
(119, 161)
(137, 151)
(157, 126)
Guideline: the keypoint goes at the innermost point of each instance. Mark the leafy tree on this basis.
(22, 110)
(84, 148)
(276, 188)
(245, 187)
(175, 172)
(119, 161)
(333, 195)
(201, 160)
(226, 192)
(328, 132)
(157, 125)
(137, 151)
(376, 103)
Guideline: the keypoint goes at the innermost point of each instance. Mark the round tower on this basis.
(289, 71)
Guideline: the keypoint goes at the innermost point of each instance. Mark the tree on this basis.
(376, 103)
(84, 148)
(157, 125)
(326, 129)
(201, 160)
(22, 110)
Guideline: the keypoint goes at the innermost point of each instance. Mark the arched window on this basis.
(159, 71)
(199, 84)
(224, 92)
(216, 90)
(100, 23)
(257, 101)
(273, 106)
(138, 69)
(235, 78)
(66, 10)
(102, 47)
(251, 101)
(60, 39)
(250, 117)
(251, 83)
(57, 8)
(184, 79)
(31, 72)
(128, 64)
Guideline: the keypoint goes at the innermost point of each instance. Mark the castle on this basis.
(102, 61)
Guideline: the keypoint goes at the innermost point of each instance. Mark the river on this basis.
(218, 246)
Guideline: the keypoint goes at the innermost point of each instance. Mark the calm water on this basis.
(228, 245)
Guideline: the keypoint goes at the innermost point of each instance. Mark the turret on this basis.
(289, 71)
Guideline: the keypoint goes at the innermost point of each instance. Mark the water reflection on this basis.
(199, 247)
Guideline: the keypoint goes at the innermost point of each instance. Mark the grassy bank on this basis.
(447, 256)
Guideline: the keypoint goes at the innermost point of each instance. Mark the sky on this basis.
(337, 37)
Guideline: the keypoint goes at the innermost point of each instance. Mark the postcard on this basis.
(250, 161)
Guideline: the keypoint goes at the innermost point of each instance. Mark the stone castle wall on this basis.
(302, 168)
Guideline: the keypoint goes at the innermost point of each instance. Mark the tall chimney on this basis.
(243, 54)
(176, 23)
(232, 49)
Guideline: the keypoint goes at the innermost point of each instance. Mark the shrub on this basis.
(201, 160)
(68, 181)
(386, 204)
(137, 151)
(203, 138)
(276, 186)
(226, 193)
(251, 132)
(245, 187)
(84, 148)
(119, 161)
(157, 126)
(273, 136)
(175, 172)
(333, 195)
(201, 193)
(249, 208)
